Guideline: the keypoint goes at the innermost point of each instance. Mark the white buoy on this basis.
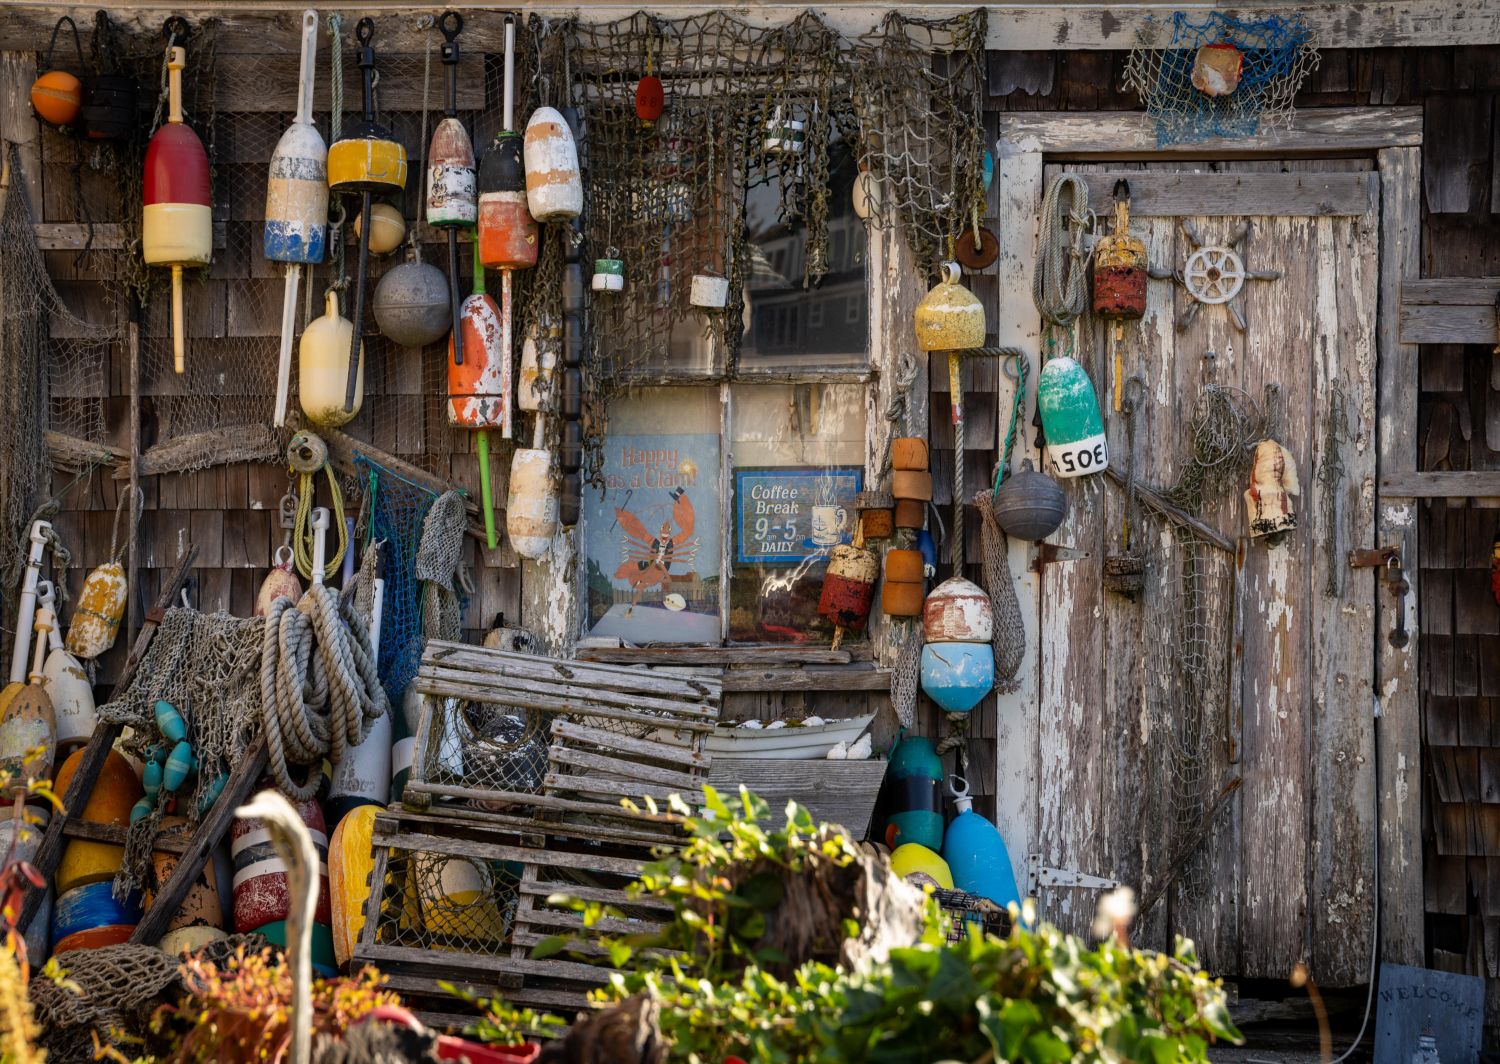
(554, 187)
(66, 684)
(531, 506)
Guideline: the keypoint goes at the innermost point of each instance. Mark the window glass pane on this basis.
(797, 458)
(788, 326)
(652, 540)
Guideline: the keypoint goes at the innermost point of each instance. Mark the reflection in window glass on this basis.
(652, 540)
(797, 459)
(789, 326)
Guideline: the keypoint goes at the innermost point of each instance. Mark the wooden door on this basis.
(1254, 662)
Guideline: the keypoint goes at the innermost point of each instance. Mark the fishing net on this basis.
(1193, 711)
(1188, 105)
(111, 992)
(396, 509)
(441, 901)
(35, 321)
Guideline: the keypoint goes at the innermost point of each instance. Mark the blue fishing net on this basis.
(397, 509)
(1278, 53)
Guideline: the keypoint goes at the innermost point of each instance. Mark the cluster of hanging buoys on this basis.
(168, 765)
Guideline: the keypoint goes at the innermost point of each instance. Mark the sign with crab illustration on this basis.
(653, 541)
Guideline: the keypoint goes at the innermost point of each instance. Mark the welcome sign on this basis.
(1417, 1000)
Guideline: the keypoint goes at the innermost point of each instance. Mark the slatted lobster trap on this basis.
(455, 898)
(535, 743)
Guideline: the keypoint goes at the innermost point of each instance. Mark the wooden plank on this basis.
(1460, 324)
(391, 832)
(623, 769)
(476, 964)
(669, 655)
(49, 852)
(854, 678)
(1317, 131)
(1017, 324)
(1450, 291)
(690, 683)
(546, 703)
(1459, 126)
(539, 801)
(1399, 735)
(836, 792)
(613, 789)
(18, 125)
(1155, 194)
(655, 749)
(1440, 484)
(504, 687)
(270, 25)
(1342, 770)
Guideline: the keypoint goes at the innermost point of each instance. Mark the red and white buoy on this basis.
(177, 226)
(479, 387)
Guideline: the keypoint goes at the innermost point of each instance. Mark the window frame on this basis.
(866, 374)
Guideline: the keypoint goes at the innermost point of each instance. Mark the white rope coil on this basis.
(319, 689)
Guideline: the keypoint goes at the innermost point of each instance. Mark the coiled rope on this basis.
(306, 455)
(1060, 284)
(320, 692)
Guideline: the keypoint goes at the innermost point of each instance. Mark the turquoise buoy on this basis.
(151, 776)
(142, 809)
(179, 764)
(912, 795)
(209, 791)
(957, 676)
(989, 170)
(170, 722)
(976, 853)
(1070, 419)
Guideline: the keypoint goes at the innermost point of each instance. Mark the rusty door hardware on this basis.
(1388, 559)
(1050, 553)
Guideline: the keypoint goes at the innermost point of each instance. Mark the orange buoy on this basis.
(116, 790)
(57, 96)
(201, 908)
(177, 226)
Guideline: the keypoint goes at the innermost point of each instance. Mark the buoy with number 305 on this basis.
(1071, 423)
(177, 224)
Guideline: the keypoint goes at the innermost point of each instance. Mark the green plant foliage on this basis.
(1038, 995)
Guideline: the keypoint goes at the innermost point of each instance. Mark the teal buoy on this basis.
(976, 853)
(179, 763)
(142, 809)
(170, 722)
(957, 676)
(209, 791)
(912, 795)
(151, 779)
(1065, 398)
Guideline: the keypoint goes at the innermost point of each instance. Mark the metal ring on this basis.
(176, 26)
(364, 31)
(1011, 365)
(458, 25)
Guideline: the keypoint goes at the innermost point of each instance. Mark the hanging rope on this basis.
(1060, 284)
(896, 408)
(306, 455)
(118, 547)
(336, 79)
(957, 739)
(1017, 406)
(319, 688)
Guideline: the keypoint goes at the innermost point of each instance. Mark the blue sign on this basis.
(790, 514)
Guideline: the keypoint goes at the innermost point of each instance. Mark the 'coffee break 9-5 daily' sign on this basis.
(789, 514)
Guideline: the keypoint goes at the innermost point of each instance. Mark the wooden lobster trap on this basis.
(534, 743)
(461, 900)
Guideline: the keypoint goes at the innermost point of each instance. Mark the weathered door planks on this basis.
(1284, 873)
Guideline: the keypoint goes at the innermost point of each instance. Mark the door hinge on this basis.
(1050, 553)
(1040, 875)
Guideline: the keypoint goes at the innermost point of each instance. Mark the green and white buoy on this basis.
(1076, 445)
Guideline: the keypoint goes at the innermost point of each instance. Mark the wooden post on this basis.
(132, 558)
(1398, 750)
(49, 853)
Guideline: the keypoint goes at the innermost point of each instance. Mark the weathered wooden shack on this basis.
(1249, 743)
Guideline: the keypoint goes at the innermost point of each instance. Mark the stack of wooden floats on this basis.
(514, 797)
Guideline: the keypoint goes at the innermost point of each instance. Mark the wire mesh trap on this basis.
(1223, 76)
(474, 902)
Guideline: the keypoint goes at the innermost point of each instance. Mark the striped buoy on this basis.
(92, 907)
(849, 587)
(260, 884)
(1070, 419)
(351, 859)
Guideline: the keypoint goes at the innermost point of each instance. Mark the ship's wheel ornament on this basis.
(1215, 274)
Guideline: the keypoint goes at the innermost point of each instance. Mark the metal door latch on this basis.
(1049, 553)
(1039, 875)
(1388, 559)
